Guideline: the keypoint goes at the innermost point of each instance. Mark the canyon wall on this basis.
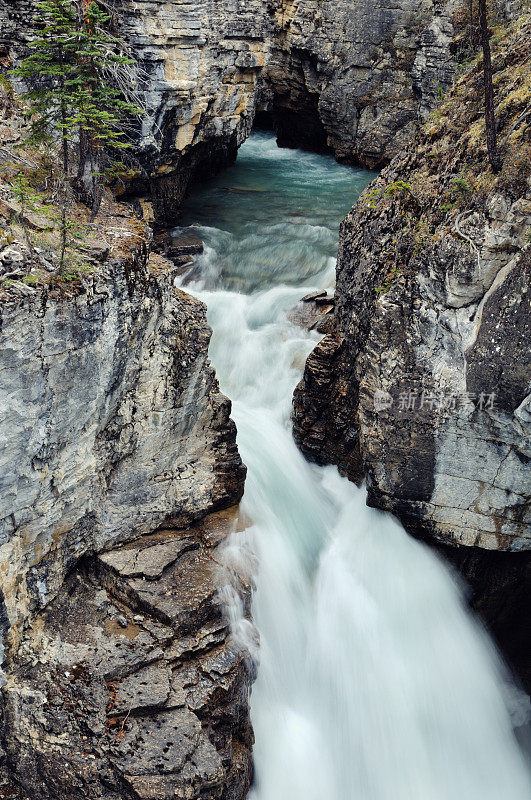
(355, 78)
(120, 676)
(112, 421)
(423, 387)
(358, 77)
(200, 81)
(113, 430)
(129, 683)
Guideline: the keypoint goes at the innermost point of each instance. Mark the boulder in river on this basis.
(312, 310)
(186, 245)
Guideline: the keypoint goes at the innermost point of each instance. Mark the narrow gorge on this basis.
(354, 79)
(168, 542)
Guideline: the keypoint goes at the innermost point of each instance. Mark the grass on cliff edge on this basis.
(21, 164)
(445, 169)
(448, 168)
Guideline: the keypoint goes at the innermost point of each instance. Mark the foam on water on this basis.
(374, 681)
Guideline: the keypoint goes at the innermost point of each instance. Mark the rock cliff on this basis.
(112, 420)
(354, 78)
(120, 468)
(129, 683)
(201, 66)
(423, 387)
(120, 677)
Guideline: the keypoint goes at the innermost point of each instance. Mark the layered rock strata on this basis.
(352, 78)
(200, 78)
(423, 386)
(129, 683)
(356, 78)
(112, 421)
(112, 424)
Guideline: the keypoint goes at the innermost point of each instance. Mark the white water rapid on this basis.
(374, 681)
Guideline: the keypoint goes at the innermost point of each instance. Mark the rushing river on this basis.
(374, 682)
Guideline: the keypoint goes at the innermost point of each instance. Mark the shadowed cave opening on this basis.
(297, 129)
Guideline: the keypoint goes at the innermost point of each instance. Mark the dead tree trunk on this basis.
(490, 121)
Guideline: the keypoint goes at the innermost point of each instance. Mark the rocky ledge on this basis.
(129, 684)
(422, 387)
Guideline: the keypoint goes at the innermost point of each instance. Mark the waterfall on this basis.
(374, 681)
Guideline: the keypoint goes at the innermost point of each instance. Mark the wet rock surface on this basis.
(185, 245)
(117, 690)
(314, 311)
(183, 251)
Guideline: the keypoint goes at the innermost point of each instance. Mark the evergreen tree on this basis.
(47, 71)
(81, 86)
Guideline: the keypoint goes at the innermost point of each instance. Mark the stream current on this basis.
(374, 681)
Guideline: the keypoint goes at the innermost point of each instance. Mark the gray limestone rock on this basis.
(112, 422)
(331, 74)
(358, 78)
(94, 710)
(423, 385)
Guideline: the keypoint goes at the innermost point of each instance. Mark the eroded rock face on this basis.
(340, 76)
(356, 78)
(129, 684)
(445, 442)
(201, 65)
(352, 78)
(423, 387)
(118, 673)
(112, 422)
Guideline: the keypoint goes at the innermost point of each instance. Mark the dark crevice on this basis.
(299, 129)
